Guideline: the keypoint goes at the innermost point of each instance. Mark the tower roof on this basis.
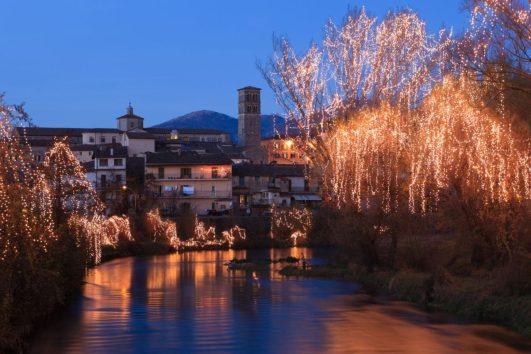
(250, 88)
(130, 113)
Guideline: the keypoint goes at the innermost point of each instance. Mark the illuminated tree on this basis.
(362, 63)
(71, 192)
(394, 127)
(496, 46)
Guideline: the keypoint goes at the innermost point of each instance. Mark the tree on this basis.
(71, 192)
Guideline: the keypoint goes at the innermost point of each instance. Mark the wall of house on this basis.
(95, 138)
(138, 147)
(111, 163)
(222, 138)
(83, 156)
(283, 152)
(198, 171)
(204, 186)
(198, 206)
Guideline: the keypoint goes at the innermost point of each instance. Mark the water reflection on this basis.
(191, 303)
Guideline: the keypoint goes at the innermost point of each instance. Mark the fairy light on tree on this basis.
(161, 230)
(234, 235)
(71, 192)
(26, 223)
(290, 225)
(392, 122)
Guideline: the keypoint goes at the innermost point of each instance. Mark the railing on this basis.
(172, 177)
(195, 194)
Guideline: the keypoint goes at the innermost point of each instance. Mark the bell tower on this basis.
(130, 120)
(249, 116)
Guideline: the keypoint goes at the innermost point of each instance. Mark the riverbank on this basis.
(473, 297)
(61, 286)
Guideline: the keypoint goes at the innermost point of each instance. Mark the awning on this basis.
(306, 197)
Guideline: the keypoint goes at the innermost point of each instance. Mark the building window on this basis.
(102, 139)
(292, 155)
(91, 139)
(186, 172)
(104, 162)
(215, 172)
(103, 180)
(118, 178)
(188, 190)
(161, 172)
(118, 162)
(132, 124)
(241, 181)
(114, 140)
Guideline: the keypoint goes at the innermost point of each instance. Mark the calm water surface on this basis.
(190, 302)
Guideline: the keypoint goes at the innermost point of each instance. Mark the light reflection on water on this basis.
(190, 302)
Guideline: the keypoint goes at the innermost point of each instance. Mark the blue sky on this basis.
(78, 63)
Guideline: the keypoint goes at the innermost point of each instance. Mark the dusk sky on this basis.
(78, 63)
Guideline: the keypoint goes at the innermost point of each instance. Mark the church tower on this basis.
(130, 121)
(249, 117)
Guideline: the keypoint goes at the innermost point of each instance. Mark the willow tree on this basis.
(71, 192)
(392, 122)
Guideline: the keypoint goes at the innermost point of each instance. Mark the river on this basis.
(191, 303)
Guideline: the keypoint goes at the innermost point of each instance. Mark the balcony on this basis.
(194, 194)
(189, 177)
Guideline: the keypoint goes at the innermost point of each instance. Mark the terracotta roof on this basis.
(139, 135)
(105, 151)
(264, 170)
(186, 158)
(158, 130)
(199, 131)
(58, 132)
(101, 130)
(82, 147)
(249, 88)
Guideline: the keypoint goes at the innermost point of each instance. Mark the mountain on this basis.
(223, 122)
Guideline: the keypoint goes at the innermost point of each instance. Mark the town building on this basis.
(257, 187)
(189, 169)
(249, 120)
(200, 135)
(108, 169)
(283, 150)
(186, 180)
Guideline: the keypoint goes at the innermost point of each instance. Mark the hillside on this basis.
(223, 122)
